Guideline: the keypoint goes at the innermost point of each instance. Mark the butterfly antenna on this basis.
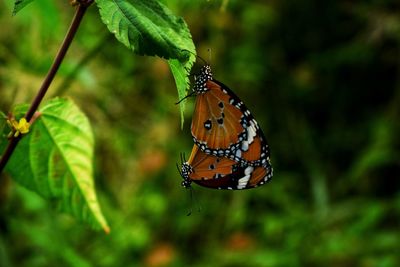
(199, 57)
(193, 198)
(184, 157)
(188, 95)
(179, 169)
(209, 54)
(182, 161)
(191, 202)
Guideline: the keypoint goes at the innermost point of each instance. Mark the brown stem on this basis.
(80, 11)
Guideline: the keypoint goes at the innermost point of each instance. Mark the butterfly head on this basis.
(185, 171)
(205, 75)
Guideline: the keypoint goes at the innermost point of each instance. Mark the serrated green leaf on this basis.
(181, 80)
(147, 27)
(150, 28)
(20, 4)
(55, 160)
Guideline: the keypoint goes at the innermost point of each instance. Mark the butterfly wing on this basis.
(223, 173)
(222, 125)
(206, 167)
(216, 123)
(243, 178)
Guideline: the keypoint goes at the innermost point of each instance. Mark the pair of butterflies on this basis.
(230, 150)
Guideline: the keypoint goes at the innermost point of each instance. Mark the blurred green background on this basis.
(321, 77)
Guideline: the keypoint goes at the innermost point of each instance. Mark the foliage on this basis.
(320, 77)
(149, 28)
(55, 160)
(20, 4)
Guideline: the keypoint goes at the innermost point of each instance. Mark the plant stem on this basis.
(80, 12)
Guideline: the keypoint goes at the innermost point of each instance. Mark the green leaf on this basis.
(150, 28)
(147, 27)
(182, 81)
(55, 160)
(20, 4)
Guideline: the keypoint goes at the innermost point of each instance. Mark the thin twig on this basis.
(80, 12)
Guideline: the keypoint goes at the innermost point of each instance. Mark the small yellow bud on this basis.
(21, 127)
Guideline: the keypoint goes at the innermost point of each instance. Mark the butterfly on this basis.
(230, 150)
(221, 172)
(223, 126)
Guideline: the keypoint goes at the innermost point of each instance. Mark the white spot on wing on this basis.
(251, 132)
(238, 153)
(248, 170)
(245, 145)
(242, 182)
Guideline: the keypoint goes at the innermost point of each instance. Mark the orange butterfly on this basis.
(221, 172)
(230, 151)
(223, 126)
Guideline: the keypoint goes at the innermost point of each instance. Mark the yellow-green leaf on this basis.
(55, 160)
